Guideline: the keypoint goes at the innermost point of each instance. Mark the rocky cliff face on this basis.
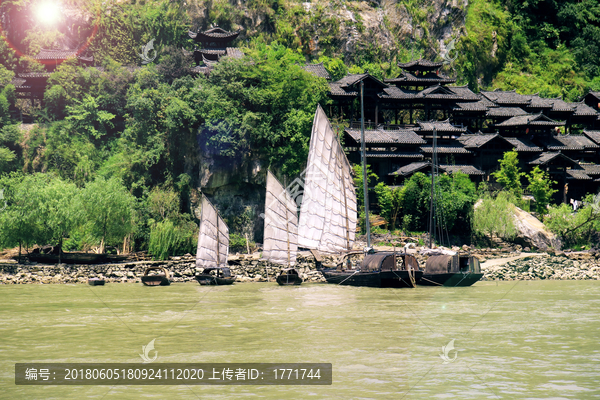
(390, 30)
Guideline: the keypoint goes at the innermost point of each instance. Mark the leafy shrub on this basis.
(168, 239)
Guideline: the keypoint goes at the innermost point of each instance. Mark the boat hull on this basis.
(392, 279)
(451, 279)
(288, 280)
(213, 280)
(400, 279)
(96, 282)
(155, 280)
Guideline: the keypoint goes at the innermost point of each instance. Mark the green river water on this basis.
(514, 340)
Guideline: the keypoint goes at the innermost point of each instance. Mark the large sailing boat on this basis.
(458, 269)
(281, 231)
(328, 216)
(213, 247)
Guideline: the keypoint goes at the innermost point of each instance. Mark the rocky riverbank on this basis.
(246, 268)
(571, 266)
(509, 263)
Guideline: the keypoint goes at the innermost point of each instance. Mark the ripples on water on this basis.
(513, 340)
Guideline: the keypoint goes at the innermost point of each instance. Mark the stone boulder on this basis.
(533, 233)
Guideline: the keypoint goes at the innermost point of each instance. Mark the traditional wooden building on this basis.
(215, 44)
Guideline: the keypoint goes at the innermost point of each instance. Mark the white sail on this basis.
(213, 238)
(281, 224)
(328, 213)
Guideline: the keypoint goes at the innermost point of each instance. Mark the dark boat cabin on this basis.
(387, 261)
(444, 264)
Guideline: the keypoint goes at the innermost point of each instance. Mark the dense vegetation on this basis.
(139, 131)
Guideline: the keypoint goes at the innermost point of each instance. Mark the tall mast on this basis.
(218, 242)
(364, 162)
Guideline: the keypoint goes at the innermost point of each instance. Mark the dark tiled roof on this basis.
(387, 136)
(474, 141)
(47, 54)
(591, 169)
(234, 52)
(29, 75)
(420, 64)
(213, 33)
(440, 126)
(511, 98)
(397, 93)
(568, 142)
(505, 112)
(317, 70)
(344, 86)
(594, 135)
(207, 62)
(538, 102)
(474, 106)
(522, 144)
(17, 82)
(439, 93)
(394, 154)
(594, 94)
(411, 168)
(430, 78)
(464, 93)
(545, 158)
(530, 120)
(582, 109)
(559, 105)
(446, 148)
(465, 169)
(335, 89)
(219, 52)
(578, 174)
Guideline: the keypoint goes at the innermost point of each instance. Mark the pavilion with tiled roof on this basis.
(216, 44)
(317, 70)
(51, 59)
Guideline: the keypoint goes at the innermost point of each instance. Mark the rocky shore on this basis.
(507, 263)
(247, 268)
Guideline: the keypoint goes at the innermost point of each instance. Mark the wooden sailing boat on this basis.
(281, 231)
(328, 216)
(446, 269)
(213, 248)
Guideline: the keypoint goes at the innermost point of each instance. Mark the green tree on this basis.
(109, 211)
(540, 187)
(509, 175)
(494, 216)
(390, 201)
(21, 210)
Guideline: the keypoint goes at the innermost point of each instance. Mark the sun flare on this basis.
(48, 13)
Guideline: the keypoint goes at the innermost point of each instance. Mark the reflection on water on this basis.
(526, 340)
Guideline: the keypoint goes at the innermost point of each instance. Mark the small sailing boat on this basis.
(161, 279)
(213, 248)
(328, 217)
(446, 269)
(281, 231)
(96, 282)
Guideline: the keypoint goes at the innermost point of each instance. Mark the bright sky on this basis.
(48, 12)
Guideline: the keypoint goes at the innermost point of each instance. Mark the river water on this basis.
(512, 340)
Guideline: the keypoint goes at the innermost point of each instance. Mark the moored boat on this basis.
(213, 248)
(161, 279)
(215, 276)
(382, 269)
(289, 277)
(281, 231)
(451, 270)
(96, 282)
